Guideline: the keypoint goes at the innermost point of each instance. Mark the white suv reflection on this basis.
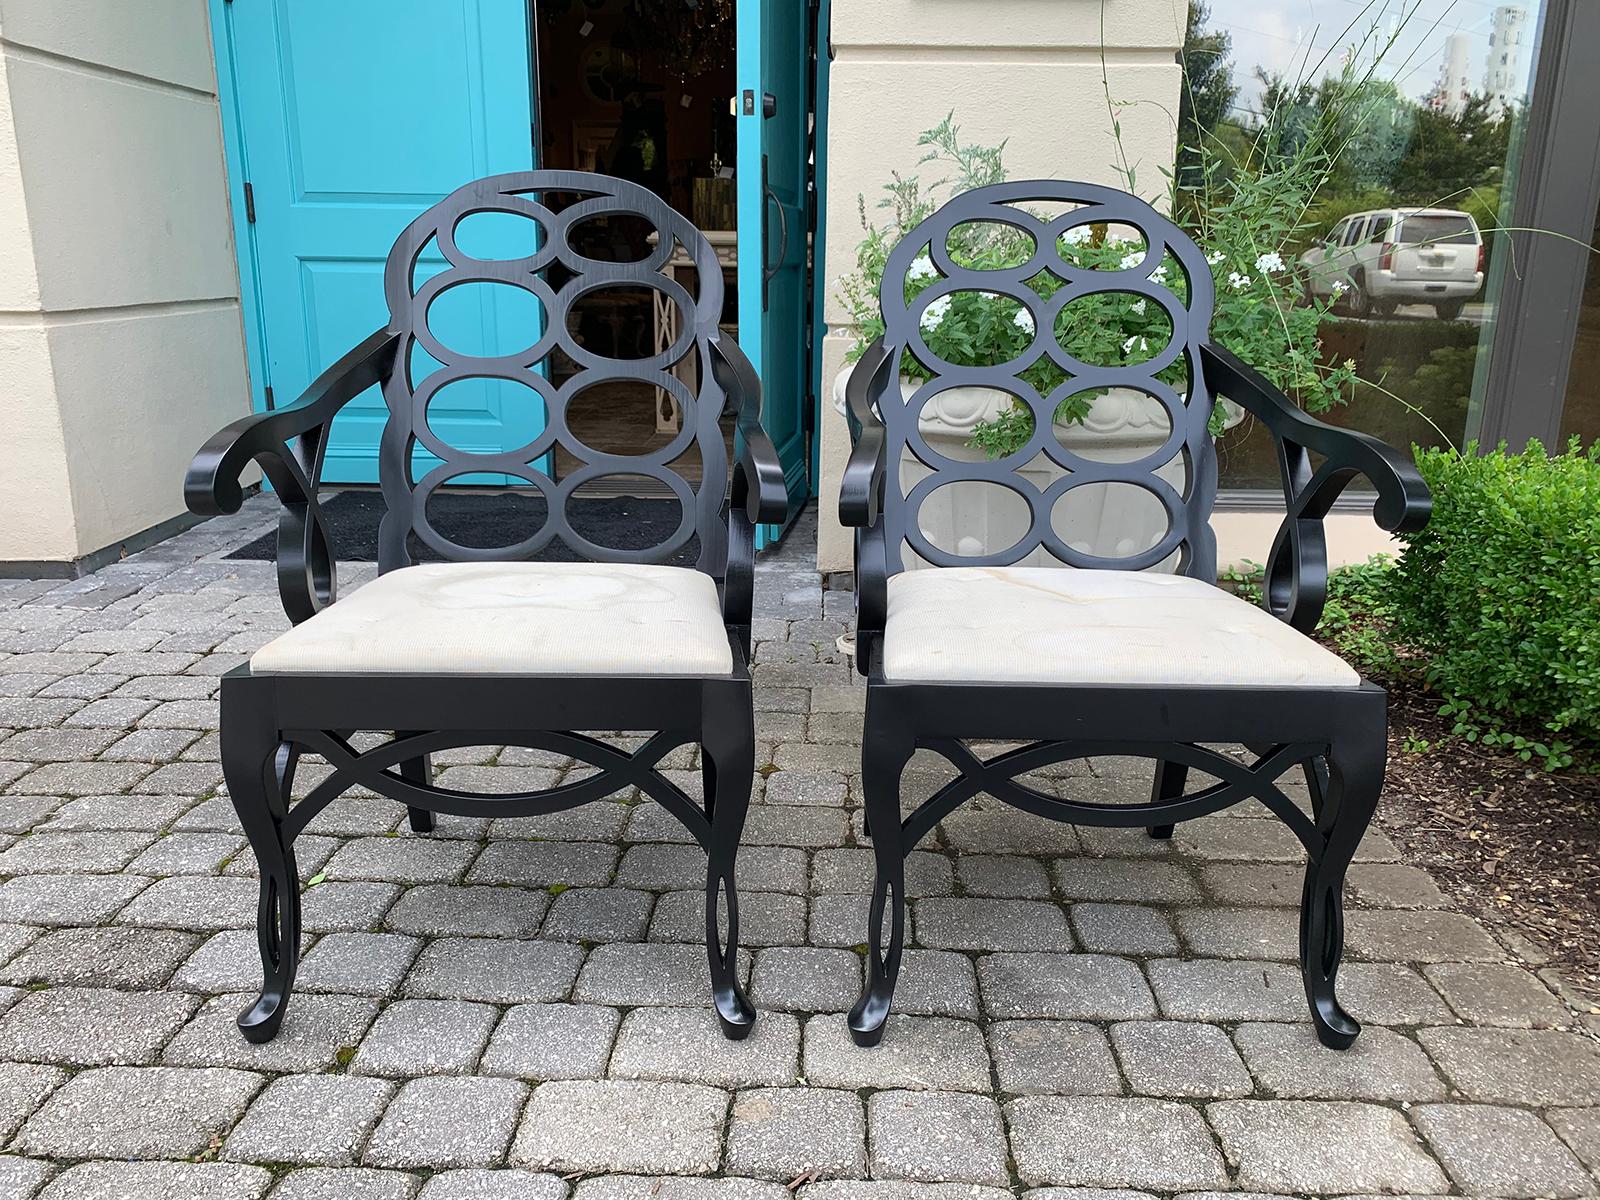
(1386, 257)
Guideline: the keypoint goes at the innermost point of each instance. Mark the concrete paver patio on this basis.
(518, 1007)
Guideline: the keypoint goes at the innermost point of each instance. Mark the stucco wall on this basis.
(120, 338)
(1032, 73)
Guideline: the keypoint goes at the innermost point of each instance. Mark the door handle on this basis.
(769, 201)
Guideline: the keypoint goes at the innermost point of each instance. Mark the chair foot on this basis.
(870, 1014)
(1336, 1029)
(735, 1013)
(259, 1023)
(422, 820)
(1160, 832)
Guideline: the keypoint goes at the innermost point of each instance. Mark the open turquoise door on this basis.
(777, 217)
(343, 122)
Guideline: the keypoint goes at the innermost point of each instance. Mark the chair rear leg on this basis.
(885, 749)
(418, 770)
(1168, 785)
(728, 763)
(1354, 782)
(259, 769)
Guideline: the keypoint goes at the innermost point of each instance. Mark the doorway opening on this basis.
(642, 90)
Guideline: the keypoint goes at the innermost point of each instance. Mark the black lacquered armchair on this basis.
(487, 647)
(1096, 653)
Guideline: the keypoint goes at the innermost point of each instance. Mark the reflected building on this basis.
(1506, 68)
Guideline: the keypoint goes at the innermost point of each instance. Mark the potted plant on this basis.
(1256, 316)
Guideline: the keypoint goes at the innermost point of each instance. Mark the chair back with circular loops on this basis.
(558, 277)
(1108, 329)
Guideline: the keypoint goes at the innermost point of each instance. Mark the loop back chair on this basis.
(484, 648)
(1096, 654)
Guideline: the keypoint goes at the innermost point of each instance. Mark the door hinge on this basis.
(249, 204)
(266, 394)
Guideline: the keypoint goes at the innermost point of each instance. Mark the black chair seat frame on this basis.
(270, 721)
(1336, 736)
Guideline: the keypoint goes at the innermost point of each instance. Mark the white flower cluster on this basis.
(1078, 235)
(1130, 261)
(1270, 262)
(922, 268)
(1237, 281)
(934, 314)
(1215, 257)
(1024, 321)
(1142, 343)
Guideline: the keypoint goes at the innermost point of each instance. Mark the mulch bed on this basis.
(1514, 845)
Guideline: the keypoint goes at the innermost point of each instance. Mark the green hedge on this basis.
(1502, 593)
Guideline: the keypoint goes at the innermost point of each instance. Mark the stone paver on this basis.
(1289, 1062)
(138, 1112)
(92, 1027)
(1336, 1147)
(170, 1180)
(933, 1053)
(941, 1137)
(1179, 1058)
(1093, 1142)
(1517, 1066)
(1053, 1058)
(1506, 1152)
(438, 1123)
(519, 1007)
(425, 1037)
(784, 1133)
(479, 1184)
(687, 1044)
(496, 970)
(644, 1128)
(1070, 986)
(309, 1120)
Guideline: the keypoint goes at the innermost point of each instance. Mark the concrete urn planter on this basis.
(1107, 520)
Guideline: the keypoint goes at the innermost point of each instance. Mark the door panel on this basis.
(775, 44)
(352, 118)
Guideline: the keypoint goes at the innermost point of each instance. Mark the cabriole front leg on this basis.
(885, 749)
(259, 770)
(728, 763)
(1355, 780)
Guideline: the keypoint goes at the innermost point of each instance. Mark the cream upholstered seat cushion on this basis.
(513, 618)
(1050, 625)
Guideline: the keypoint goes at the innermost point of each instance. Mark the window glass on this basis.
(1581, 415)
(1400, 114)
(1434, 228)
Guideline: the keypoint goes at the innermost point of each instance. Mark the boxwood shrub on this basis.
(1501, 593)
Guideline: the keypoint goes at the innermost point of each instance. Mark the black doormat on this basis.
(496, 520)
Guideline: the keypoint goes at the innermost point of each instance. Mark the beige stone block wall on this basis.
(121, 344)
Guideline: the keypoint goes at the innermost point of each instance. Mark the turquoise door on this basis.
(347, 119)
(776, 210)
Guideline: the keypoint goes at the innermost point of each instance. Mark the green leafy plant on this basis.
(1499, 593)
(1258, 312)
